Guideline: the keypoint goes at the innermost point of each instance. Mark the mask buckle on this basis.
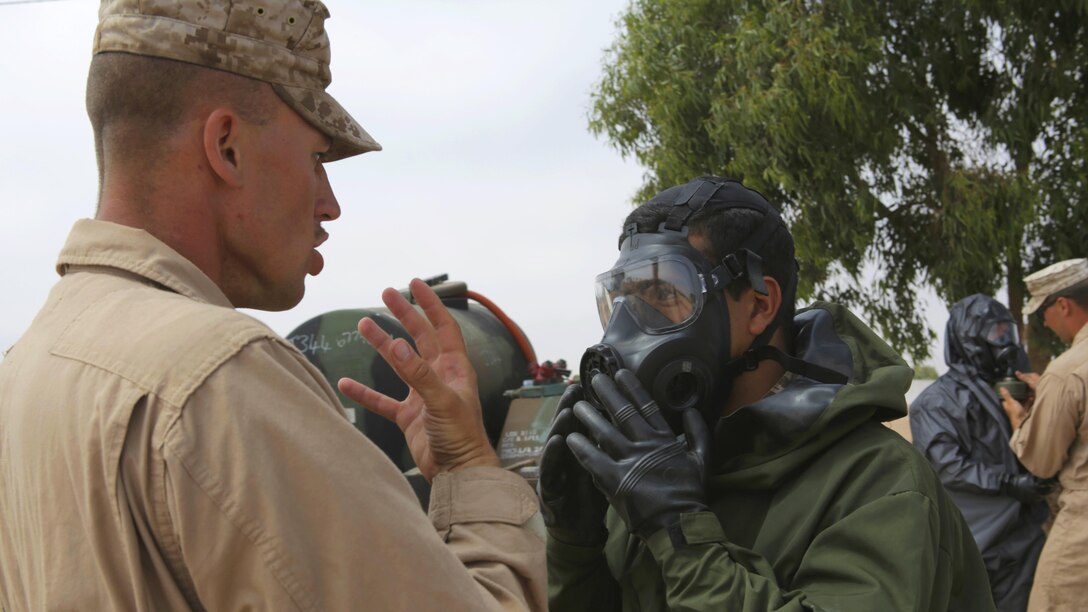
(750, 360)
(731, 270)
(728, 271)
(732, 265)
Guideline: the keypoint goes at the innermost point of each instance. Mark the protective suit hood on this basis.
(967, 351)
(769, 440)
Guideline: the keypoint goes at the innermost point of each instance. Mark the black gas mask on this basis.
(663, 308)
(1004, 356)
(665, 320)
(1001, 355)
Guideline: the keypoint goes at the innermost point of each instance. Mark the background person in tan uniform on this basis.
(1051, 439)
(160, 450)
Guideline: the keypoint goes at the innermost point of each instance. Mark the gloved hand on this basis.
(649, 475)
(573, 509)
(1026, 487)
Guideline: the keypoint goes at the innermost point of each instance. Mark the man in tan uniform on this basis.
(160, 450)
(1052, 438)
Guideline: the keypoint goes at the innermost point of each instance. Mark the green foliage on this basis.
(925, 372)
(917, 142)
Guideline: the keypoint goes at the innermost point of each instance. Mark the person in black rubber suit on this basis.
(959, 425)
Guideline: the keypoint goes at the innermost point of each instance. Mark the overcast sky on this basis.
(488, 174)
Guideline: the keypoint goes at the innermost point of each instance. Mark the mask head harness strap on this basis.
(745, 264)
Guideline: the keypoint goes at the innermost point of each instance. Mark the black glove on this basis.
(572, 507)
(649, 475)
(1026, 487)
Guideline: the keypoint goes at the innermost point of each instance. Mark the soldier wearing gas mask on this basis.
(959, 425)
(727, 454)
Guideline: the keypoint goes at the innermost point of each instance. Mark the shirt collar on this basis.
(1081, 335)
(103, 244)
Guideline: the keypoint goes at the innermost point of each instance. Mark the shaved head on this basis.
(137, 103)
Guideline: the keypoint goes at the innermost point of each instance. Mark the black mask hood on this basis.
(967, 348)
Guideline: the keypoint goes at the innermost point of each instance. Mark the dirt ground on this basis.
(902, 426)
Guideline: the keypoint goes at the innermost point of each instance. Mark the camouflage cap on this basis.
(1054, 279)
(280, 42)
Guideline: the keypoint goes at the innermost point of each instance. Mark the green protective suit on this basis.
(815, 506)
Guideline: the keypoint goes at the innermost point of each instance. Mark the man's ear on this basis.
(765, 307)
(222, 141)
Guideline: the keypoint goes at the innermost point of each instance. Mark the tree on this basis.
(925, 372)
(915, 142)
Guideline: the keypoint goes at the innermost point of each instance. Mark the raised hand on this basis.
(441, 417)
(1013, 409)
(572, 506)
(649, 475)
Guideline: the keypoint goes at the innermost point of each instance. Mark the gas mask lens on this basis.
(661, 293)
(1003, 333)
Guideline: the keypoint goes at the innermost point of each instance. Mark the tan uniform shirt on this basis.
(162, 451)
(1053, 440)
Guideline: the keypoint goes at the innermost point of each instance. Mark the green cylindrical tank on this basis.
(331, 342)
